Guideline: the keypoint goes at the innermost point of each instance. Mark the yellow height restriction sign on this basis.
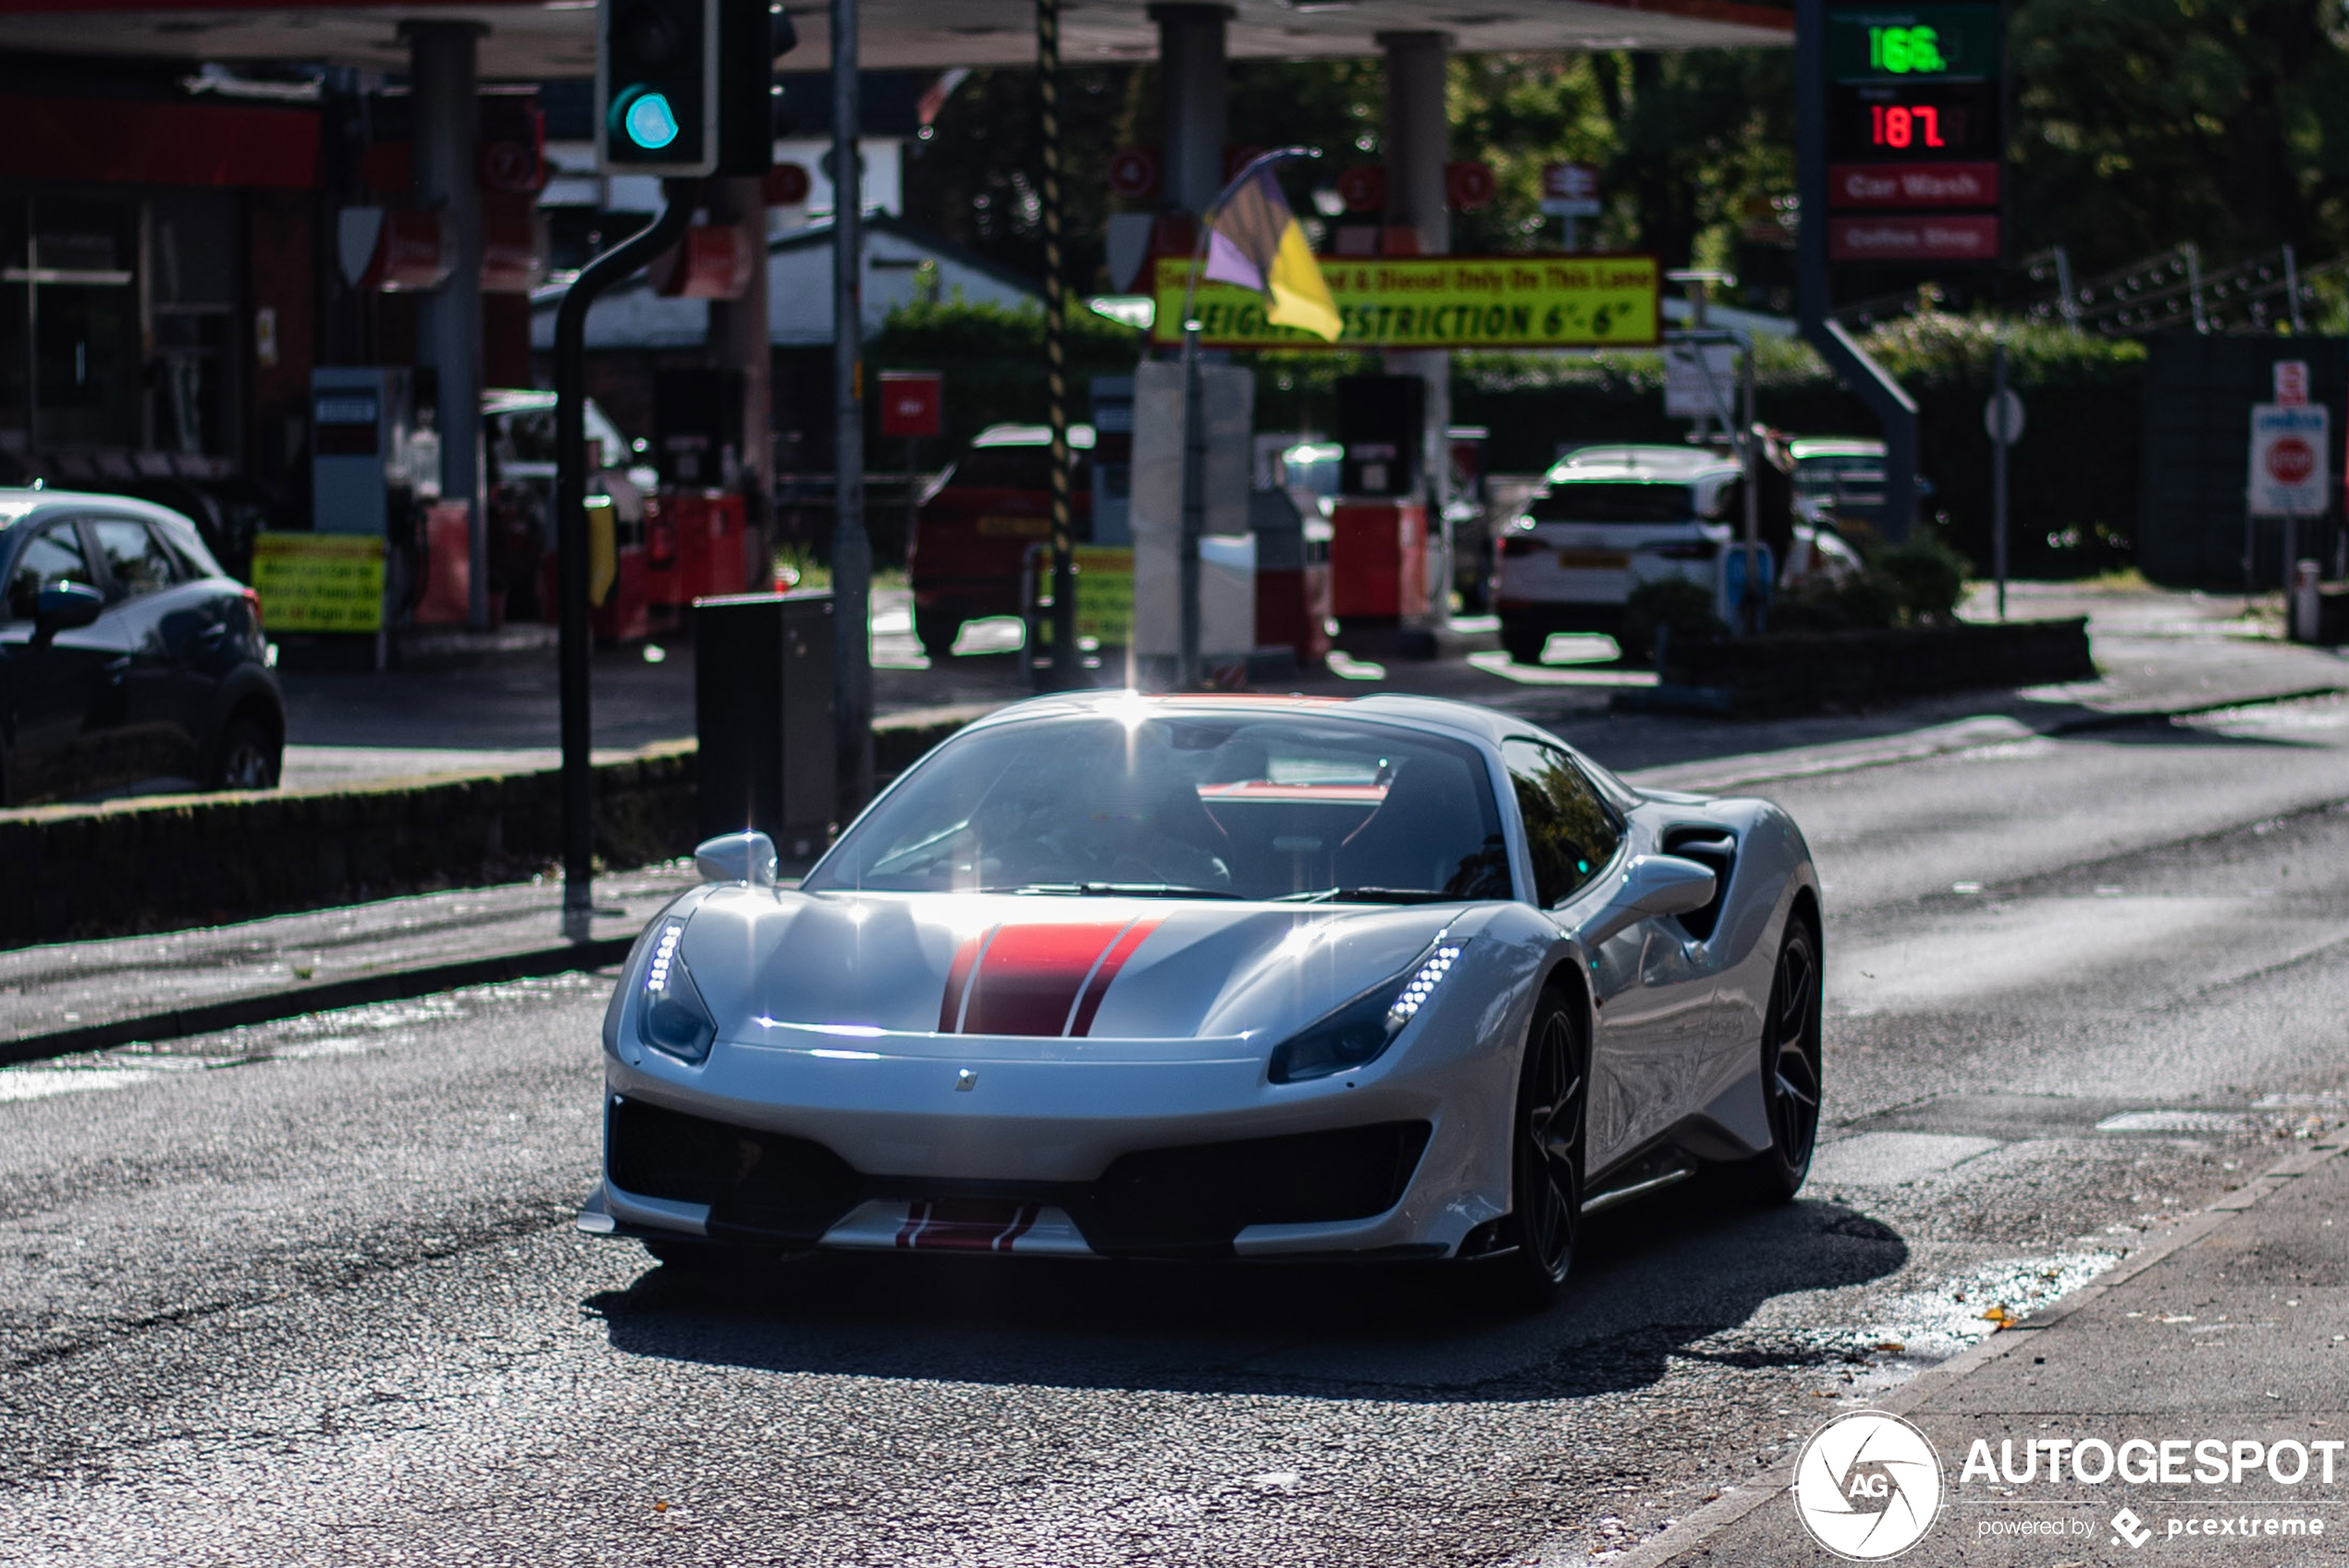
(1438, 302)
(319, 582)
(1104, 593)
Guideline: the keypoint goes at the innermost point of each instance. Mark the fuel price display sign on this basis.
(1916, 134)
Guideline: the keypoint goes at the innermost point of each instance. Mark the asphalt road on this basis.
(309, 1292)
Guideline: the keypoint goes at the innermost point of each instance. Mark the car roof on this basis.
(1835, 447)
(1465, 719)
(1662, 464)
(1080, 435)
(20, 505)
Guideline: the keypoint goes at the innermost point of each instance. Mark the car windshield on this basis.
(1829, 475)
(1214, 807)
(1613, 501)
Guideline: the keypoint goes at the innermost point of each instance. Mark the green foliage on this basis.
(1678, 608)
(2141, 123)
(1927, 578)
(1865, 601)
(1915, 583)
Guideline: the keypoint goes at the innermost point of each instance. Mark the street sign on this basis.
(1964, 237)
(1527, 302)
(912, 402)
(320, 581)
(2291, 383)
(2002, 417)
(1687, 393)
(2288, 462)
(1913, 185)
(1570, 190)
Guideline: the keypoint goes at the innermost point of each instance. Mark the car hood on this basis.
(770, 962)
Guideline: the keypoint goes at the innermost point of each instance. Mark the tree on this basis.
(2142, 123)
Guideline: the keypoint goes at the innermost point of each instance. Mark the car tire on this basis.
(1523, 643)
(1545, 1158)
(1791, 1069)
(936, 630)
(248, 757)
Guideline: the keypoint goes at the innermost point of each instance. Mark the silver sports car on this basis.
(1114, 975)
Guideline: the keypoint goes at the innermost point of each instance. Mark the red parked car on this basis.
(975, 525)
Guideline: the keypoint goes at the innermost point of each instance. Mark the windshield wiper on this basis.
(1369, 896)
(1116, 890)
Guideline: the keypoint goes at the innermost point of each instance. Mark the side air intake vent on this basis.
(1712, 848)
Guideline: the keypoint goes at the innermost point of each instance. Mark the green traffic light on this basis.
(647, 118)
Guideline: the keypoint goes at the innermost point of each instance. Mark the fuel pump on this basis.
(1378, 546)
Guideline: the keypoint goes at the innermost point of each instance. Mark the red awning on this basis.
(125, 141)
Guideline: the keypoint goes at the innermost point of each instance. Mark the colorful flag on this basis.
(1255, 241)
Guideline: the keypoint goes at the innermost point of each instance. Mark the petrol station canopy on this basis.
(542, 39)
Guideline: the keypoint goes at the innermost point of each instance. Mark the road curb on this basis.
(358, 990)
(1693, 1533)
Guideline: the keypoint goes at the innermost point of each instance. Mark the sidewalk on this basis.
(2235, 1329)
(89, 996)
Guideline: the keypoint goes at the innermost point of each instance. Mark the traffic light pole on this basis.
(570, 539)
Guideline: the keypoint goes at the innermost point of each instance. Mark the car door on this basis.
(61, 699)
(1655, 1001)
(171, 625)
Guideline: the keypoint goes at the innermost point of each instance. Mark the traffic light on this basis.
(686, 87)
(656, 78)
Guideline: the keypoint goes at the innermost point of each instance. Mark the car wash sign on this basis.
(1437, 302)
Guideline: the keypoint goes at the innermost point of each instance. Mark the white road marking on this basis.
(40, 1082)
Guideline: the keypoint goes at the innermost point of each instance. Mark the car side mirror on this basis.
(65, 606)
(1652, 885)
(747, 856)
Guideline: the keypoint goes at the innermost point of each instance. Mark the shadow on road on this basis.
(1674, 1278)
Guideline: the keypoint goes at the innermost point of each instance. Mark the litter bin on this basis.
(763, 711)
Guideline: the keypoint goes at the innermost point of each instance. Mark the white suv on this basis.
(1607, 519)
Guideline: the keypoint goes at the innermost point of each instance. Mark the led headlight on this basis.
(1357, 1033)
(671, 1016)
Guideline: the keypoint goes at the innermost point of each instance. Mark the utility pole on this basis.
(1067, 667)
(851, 548)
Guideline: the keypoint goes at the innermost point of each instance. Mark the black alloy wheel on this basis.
(1546, 1156)
(248, 757)
(1790, 1076)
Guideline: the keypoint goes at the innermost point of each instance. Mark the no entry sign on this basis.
(2288, 468)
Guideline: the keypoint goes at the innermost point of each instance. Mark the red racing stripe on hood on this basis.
(1111, 962)
(1029, 975)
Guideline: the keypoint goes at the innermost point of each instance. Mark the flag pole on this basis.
(1187, 672)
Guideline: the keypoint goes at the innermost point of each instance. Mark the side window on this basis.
(135, 557)
(1568, 827)
(49, 558)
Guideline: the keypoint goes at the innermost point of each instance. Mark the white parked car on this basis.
(1607, 519)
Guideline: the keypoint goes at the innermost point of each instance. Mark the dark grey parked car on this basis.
(126, 656)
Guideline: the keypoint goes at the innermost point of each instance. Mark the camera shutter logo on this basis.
(1868, 1486)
